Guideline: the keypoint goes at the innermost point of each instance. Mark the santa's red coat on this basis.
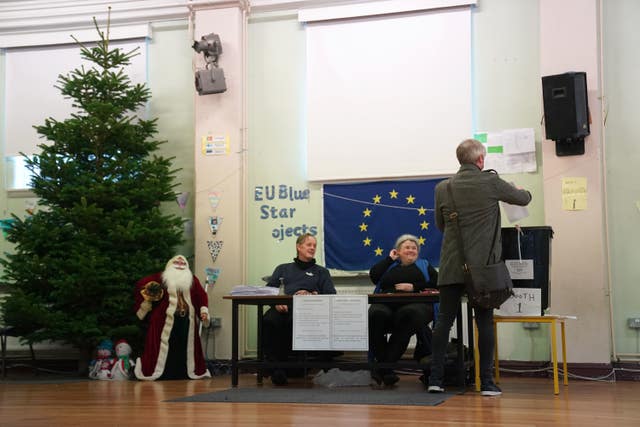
(161, 316)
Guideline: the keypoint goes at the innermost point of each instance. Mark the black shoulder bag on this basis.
(489, 285)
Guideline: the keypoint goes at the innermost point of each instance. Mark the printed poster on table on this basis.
(330, 322)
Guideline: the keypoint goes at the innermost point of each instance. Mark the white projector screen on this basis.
(388, 96)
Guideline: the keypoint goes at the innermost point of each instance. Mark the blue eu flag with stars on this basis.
(363, 221)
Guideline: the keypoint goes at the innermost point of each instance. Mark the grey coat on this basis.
(476, 195)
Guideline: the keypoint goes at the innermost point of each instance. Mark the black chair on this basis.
(10, 331)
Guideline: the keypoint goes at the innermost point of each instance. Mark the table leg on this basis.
(554, 357)
(564, 355)
(496, 359)
(33, 359)
(476, 355)
(3, 344)
(461, 359)
(234, 344)
(260, 350)
(470, 334)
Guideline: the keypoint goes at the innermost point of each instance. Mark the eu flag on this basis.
(363, 221)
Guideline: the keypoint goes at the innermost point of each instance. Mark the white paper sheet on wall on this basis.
(509, 151)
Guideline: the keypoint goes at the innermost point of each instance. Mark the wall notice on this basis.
(574, 193)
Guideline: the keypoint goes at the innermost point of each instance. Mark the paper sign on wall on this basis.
(182, 199)
(510, 150)
(214, 224)
(574, 193)
(215, 145)
(214, 198)
(215, 246)
(212, 275)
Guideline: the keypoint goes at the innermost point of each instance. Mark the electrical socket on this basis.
(216, 322)
(531, 325)
(633, 322)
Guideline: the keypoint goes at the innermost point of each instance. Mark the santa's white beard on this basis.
(177, 280)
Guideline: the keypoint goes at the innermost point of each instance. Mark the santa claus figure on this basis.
(173, 303)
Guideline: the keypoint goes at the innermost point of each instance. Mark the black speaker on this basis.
(566, 111)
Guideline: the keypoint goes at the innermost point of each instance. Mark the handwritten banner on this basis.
(270, 200)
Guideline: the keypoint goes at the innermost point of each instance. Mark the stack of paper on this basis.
(254, 290)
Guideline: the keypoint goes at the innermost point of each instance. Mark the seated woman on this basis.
(300, 277)
(401, 271)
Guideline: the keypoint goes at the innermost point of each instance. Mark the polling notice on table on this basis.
(330, 322)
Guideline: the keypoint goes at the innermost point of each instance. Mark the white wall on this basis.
(620, 94)
(569, 42)
(277, 155)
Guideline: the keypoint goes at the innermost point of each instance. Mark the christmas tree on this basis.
(99, 225)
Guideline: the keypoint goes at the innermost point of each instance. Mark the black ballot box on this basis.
(534, 243)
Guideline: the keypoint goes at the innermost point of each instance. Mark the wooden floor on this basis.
(525, 402)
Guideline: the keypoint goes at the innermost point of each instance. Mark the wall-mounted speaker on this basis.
(566, 111)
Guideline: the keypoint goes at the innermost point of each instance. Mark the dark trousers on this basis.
(175, 367)
(450, 296)
(402, 321)
(277, 335)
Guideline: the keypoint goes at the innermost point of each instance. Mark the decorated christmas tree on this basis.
(99, 225)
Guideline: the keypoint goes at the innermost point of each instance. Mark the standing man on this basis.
(476, 194)
(174, 303)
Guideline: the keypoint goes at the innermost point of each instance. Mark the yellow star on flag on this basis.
(378, 251)
(363, 227)
(410, 199)
(393, 194)
(366, 212)
(367, 242)
(422, 211)
(421, 240)
(424, 225)
(376, 199)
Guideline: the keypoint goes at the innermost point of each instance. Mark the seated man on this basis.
(300, 277)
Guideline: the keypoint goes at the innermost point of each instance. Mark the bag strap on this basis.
(453, 216)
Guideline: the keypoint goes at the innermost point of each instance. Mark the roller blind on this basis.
(388, 95)
(30, 95)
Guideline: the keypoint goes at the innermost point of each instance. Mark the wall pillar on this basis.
(569, 41)
(220, 179)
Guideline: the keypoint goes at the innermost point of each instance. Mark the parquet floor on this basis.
(525, 402)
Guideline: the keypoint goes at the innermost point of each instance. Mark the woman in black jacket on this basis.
(401, 271)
